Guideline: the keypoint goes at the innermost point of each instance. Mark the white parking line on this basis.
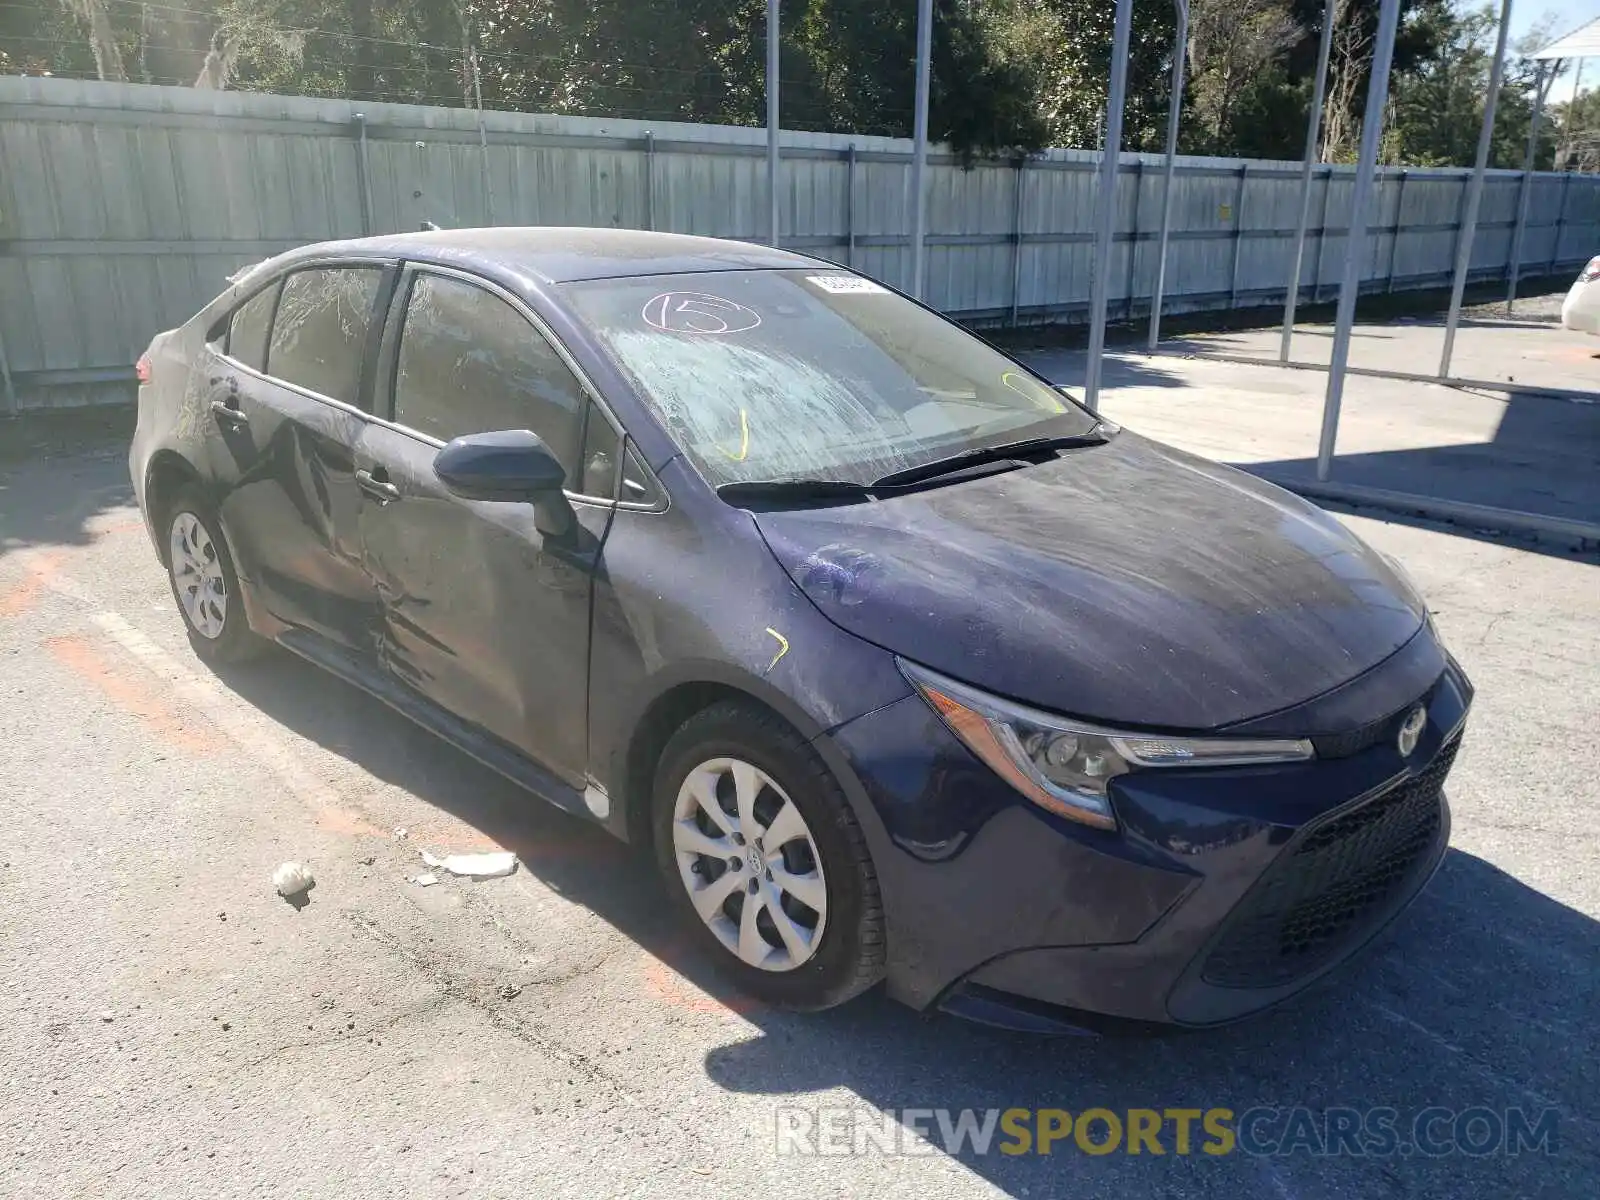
(253, 733)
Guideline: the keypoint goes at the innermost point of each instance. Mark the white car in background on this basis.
(1581, 309)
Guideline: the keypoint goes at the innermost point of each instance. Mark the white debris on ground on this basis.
(426, 879)
(474, 866)
(293, 879)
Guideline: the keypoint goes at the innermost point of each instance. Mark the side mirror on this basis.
(508, 465)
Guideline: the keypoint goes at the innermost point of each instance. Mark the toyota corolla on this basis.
(900, 664)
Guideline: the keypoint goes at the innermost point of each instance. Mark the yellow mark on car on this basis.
(783, 648)
(744, 439)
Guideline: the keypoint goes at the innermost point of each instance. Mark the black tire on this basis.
(236, 641)
(851, 955)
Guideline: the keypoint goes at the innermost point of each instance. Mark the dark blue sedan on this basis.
(902, 665)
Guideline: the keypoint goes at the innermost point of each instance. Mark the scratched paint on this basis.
(838, 571)
(1124, 582)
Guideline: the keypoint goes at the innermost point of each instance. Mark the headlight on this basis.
(1064, 765)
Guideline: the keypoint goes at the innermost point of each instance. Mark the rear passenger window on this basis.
(470, 363)
(247, 331)
(320, 334)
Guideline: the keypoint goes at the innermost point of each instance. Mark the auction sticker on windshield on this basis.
(841, 285)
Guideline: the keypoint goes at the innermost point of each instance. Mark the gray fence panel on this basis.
(123, 209)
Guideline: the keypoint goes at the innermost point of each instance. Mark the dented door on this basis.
(482, 613)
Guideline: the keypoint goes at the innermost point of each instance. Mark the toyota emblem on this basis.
(1411, 730)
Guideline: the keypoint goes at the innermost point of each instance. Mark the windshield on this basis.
(812, 374)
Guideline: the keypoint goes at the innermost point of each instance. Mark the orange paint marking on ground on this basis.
(22, 597)
(667, 985)
(130, 693)
(344, 822)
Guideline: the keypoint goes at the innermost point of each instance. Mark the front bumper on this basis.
(1221, 893)
(1580, 311)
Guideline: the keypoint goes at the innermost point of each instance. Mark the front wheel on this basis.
(204, 582)
(765, 859)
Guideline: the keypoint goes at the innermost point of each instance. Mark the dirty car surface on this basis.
(902, 665)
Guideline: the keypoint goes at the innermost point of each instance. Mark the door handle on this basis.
(382, 489)
(228, 410)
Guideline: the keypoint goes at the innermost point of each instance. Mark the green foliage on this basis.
(1062, 48)
(1008, 76)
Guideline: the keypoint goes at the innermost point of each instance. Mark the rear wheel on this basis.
(764, 858)
(204, 582)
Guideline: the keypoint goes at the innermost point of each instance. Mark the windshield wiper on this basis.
(793, 489)
(1096, 436)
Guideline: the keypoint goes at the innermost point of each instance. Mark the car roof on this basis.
(564, 255)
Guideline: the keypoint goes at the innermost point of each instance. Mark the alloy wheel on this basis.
(750, 865)
(197, 576)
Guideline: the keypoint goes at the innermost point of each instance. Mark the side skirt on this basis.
(487, 749)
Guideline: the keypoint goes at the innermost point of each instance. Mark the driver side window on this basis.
(470, 363)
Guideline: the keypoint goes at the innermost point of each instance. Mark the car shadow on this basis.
(1482, 996)
(55, 500)
(1544, 460)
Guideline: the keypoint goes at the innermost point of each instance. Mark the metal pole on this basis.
(1016, 246)
(1133, 242)
(12, 406)
(649, 179)
(1106, 203)
(1394, 234)
(772, 120)
(1541, 88)
(363, 173)
(850, 207)
(483, 138)
(1355, 240)
(1469, 218)
(1561, 224)
(1180, 50)
(919, 161)
(1313, 132)
(1238, 235)
(1572, 111)
(1322, 237)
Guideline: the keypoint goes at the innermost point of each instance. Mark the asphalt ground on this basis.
(173, 1028)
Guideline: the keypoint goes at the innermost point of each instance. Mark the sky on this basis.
(1565, 15)
(1561, 17)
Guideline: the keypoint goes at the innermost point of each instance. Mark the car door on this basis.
(286, 404)
(483, 613)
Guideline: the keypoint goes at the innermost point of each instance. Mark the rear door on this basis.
(287, 407)
(482, 612)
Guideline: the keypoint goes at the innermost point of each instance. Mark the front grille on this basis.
(1330, 885)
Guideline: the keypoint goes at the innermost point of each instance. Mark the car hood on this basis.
(1128, 583)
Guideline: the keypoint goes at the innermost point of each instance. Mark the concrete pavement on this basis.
(173, 1028)
(1534, 455)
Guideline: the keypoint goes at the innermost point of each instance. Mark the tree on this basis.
(1437, 104)
(102, 37)
(1062, 49)
(1578, 122)
(1234, 44)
